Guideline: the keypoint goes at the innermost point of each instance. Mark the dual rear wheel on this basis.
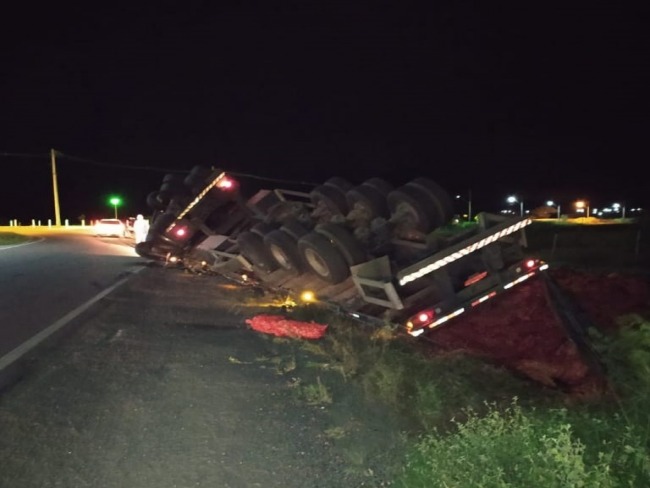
(328, 251)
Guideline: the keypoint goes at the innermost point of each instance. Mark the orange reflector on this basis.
(475, 278)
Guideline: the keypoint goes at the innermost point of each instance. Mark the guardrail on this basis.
(48, 223)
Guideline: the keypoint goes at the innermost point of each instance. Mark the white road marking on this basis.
(35, 340)
(3, 248)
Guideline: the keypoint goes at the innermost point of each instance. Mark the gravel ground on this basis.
(163, 384)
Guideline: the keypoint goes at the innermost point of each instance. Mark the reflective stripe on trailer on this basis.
(463, 252)
(477, 302)
(198, 198)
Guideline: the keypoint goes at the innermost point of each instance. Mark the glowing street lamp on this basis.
(513, 199)
(115, 201)
(619, 208)
(469, 204)
(581, 205)
(551, 203)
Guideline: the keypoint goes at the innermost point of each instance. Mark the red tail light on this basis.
(421, 319)
(179, 231)
(226, 183)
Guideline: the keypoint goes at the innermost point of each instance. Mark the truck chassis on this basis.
(372, 251)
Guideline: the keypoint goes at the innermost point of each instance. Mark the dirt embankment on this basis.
(519, 329)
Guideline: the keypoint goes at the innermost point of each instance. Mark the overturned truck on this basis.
(372, 250)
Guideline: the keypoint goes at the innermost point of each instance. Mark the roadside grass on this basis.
(425, 388)
(471, 423)
(467, 422)
(11, 238)
(599, 444)
(612, 245)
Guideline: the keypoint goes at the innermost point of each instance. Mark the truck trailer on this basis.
(371, 250)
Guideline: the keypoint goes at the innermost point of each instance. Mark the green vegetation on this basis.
(503, 448)
(473, 424)
(11, 238)
(611, 245)
(602, 444)
(468, 423)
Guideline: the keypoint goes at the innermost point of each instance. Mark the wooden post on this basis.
(55, 188)
(554, 245)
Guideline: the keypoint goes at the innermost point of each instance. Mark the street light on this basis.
(469, 204)
(115, 201)
(618, 207)
(551, 203)
(582, 204)
(514, 199)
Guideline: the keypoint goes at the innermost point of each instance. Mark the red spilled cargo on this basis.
(283, 327)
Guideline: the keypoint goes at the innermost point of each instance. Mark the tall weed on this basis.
(508, 448)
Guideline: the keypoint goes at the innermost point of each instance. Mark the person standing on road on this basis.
(140, 228)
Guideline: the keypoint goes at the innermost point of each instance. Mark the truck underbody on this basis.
(371, 250)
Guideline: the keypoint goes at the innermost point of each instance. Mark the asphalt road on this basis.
(163, 385)
(46, 280)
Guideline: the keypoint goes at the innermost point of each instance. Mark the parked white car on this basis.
(110, 228)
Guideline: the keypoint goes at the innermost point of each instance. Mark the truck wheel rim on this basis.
(280, 256)
(316, 262)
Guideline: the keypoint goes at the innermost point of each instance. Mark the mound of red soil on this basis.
(519, 329)
(282, 327)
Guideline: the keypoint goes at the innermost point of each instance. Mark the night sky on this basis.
(540, 99)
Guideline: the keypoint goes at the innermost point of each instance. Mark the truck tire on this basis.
(369, 199)
(172, 183)
(153, 202)
(339, 183)
(262, 228)
(332, 198)
(414, 203)
(176, 204)
(172, 178)
(322, 257)
(174, 188)
(252, 247)
(438, 195)
(295, 229)
(284, 250)
(280, 212)
(161, 222)
(344, 241)
(196, 176)
(382, 186)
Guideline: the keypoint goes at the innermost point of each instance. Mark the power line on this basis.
(24, 155)
(266, 178)
(149, 168)
(122, 166)
(170, 170)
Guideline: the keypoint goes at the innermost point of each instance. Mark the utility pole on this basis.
(469, 205)
(55, 188)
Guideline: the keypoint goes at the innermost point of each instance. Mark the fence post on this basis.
(49, 223)
(554, 245)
